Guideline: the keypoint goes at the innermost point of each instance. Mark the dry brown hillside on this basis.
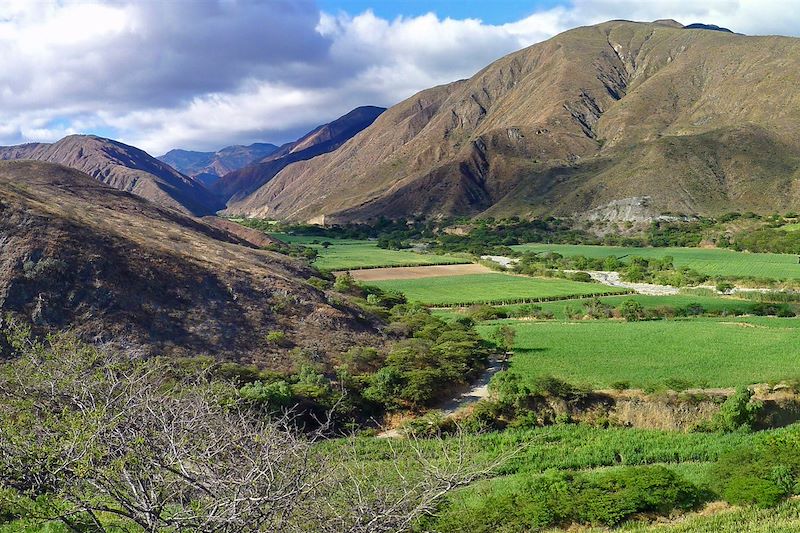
(114, 267)
(123, 167)
(700, 121)
(236, 186)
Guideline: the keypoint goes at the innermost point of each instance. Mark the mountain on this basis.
(208, 167)
(123, 167)
(700, 26)
(695, 122)
(114, 267)
(237, 185)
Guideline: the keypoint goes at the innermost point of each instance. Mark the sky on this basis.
(203, 74)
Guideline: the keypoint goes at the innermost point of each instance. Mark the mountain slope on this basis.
(236, 186)
(123, 167)
(115, 267)
(208, 167)
(700, 121)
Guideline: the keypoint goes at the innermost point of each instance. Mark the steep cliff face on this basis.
(123, 167)
(700, 121)
(77, 254)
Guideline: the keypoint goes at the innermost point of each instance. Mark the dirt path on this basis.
(477, 391)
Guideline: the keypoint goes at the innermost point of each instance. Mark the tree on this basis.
(504, 337)
(631, 310)
(86, 433)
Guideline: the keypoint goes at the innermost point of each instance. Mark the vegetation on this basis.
(490, 288)
(353, 255)
(700, 351)
(108, 442)
(711, 262)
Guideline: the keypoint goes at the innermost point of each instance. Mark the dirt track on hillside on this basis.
(377, 274)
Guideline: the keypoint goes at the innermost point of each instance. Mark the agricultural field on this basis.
(711, 304)
(579, 450)
(704, 352)
(347, 254)
(709, 261)
(490, 288)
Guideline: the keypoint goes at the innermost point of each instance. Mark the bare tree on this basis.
(103, 436)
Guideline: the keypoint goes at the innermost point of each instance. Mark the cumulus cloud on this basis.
(203, 74)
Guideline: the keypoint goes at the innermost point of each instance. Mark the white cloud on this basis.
(207, 73)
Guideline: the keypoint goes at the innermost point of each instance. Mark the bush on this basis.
(276, 338)
(559, 499)
(762, 476)
(581, 276)
(738, 413)
(631, 310)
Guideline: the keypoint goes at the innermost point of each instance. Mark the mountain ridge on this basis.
(591, 116)
(208, 167)
(123, 167)
(236, 186)
(114, 267)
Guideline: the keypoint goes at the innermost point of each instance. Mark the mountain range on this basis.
(123, 167)
(208, 167)
(695, 121)
(236, 186)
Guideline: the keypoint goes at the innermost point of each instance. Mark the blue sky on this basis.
(203, 74)
(491, 12)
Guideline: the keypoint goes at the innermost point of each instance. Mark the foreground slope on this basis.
(236, 186)
(699, 121)
(123, 167)
(208, 167)
(114, 267)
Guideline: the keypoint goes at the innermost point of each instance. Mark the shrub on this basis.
(761, 476)
(581, 276)
(276, 338)
(631, 310)
(599, 499)
(737, 413)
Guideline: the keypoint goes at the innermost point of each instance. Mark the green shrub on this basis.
(276, 338)
(560, 499)
(738, 413)
(631, 310)
(761, 476)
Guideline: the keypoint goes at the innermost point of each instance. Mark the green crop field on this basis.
(710, 261)
(712, 304)
(489, 288)
(349, 254)
(721, 352)
(578, 449)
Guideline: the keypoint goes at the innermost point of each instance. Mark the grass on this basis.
(350, 254)
(711, 304)
(489, 288)
(709, 261)
(790, 227)
(579, 448)
(704, 352)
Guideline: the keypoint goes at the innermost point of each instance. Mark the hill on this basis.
(686, 121)
(123, 167)
(116, 268)
(236, 186)
(208, 167)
